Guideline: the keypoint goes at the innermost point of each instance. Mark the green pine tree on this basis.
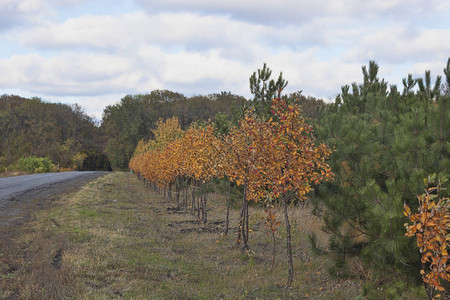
(385, 143)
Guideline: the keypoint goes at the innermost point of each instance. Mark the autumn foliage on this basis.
(430, 226)
(275, 159)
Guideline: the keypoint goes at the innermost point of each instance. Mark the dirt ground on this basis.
(15, 214)
(114, 238)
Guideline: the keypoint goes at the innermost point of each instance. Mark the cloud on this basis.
(316, 77)
(182, 30)
(200, 47)
(303, 11)
(67, 3)
(398, 44)
(23, 12)
(68, 74)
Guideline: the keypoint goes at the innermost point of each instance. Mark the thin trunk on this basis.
(228, 208)
(243, 222)
(288, 242)
(204, 213)
(177, 189)
(170, 192)
(193, 198)
(199, 200)
(238, 242)
(186, 190)
(183, 204)
(274, 249)
(246, 224)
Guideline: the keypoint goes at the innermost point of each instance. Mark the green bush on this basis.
(33, 164)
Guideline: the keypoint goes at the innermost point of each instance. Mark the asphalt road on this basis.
(18, 194)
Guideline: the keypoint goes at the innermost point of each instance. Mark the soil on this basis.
(15, 256)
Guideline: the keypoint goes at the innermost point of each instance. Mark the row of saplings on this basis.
(274, 159)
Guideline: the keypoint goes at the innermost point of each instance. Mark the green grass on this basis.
(119, 241)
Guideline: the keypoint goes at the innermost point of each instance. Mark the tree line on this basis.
(33, 129)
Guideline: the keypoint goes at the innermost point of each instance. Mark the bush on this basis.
(33, 164)
(3, 164)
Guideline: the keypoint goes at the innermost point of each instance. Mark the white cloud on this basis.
(397, 44)
(302, 11)
(68, 74)
(23, 12)
(200, 47)
(184, 30)
(67, 3)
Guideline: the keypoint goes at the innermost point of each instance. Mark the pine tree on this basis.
(384, 143)
(265, 89)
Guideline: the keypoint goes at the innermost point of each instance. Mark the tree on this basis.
(265, 89)
(276, 158)
(385, 143)
(238, 164)
(447, 77)
(289, 162)
(430, 225)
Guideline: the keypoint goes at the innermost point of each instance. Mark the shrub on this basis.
(33, 164)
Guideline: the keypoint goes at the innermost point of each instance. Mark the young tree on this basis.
(383, 149)
(239, 164)
(292, 161)
(430, 226)
(265, 89)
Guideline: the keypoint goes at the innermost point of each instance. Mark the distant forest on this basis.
(32, 127)
(70, 138)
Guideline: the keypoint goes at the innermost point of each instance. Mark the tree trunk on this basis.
(177, 189)
(274, 249)
(243, 221)
(228, 208)
(199, 201)
(288, 242)
(246, 224)
(186, 190)
(193, 198)
(205, 199)
(239, 236)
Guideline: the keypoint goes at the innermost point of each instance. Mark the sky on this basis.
(94, 52)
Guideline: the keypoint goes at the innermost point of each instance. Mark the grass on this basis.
(12, 173)
(116, 239)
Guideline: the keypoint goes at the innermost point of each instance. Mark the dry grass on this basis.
(117, 239)
(12, 173)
